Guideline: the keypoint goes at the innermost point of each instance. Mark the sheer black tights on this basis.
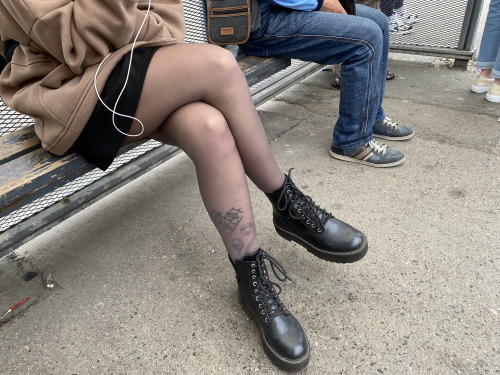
(196, 97)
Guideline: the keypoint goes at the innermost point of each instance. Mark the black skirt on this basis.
(99, 141)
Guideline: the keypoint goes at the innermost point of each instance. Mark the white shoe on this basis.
(481, 85)
(493, 94)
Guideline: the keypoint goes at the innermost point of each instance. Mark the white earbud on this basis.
(124, 85)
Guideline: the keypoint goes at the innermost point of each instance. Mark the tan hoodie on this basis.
(62, 42)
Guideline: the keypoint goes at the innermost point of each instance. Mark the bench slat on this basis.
(30, 176)
(256, 69)
(15, 144)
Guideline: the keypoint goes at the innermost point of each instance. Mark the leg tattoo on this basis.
(248, 229)
(227, 223)
(237, 244)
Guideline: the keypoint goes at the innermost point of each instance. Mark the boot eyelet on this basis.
(253, 271)
(303, 217)
(308, 222)
(312, 225)
(255, 291)
(319, 230)
(260, 305)
(257, 298)
(254, 277)
(299, 211)
(262, 312)
(254, 283)
(266, 320)
(253, 265)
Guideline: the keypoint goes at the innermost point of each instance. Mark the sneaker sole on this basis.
(384, 165)
(479, 89)
(280, 361)
(402, 138)
(347, 257)
(493, 98)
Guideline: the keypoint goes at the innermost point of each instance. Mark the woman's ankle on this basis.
(486, 73)
(242, 255)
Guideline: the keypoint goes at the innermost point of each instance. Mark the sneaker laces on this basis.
(309, 212)
(377, 147)
(391, 123)
(269, 290)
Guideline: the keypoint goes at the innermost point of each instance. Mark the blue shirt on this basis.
(303, 5)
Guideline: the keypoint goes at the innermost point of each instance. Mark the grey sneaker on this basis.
(389, 129)
(374, 154)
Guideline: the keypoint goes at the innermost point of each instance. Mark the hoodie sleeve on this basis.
(81, 33)
(304, 5)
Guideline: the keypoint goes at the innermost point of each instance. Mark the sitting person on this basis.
(66, 49)
(322, 32)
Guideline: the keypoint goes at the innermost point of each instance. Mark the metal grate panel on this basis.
(11, 121)
(440, 23)
(195, 18)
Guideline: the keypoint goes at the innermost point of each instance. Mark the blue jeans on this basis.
(360, 43)
(489, 52)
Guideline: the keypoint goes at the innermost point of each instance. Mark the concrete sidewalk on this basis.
(143, 284)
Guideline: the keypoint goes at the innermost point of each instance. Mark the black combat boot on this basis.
(284, 340)
(297, 218)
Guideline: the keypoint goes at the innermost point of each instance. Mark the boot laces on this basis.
(308, 211)
(268, 300)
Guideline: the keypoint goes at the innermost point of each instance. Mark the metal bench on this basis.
(38, 189)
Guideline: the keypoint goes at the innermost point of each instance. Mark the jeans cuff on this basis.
(485, 64)
(361, 142)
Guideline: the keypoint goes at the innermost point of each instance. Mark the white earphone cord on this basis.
(124, 85)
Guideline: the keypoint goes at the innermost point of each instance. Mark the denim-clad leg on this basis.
(359, 42)
(489, 52)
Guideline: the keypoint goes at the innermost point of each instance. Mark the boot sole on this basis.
(280, 361)
(347, 257)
